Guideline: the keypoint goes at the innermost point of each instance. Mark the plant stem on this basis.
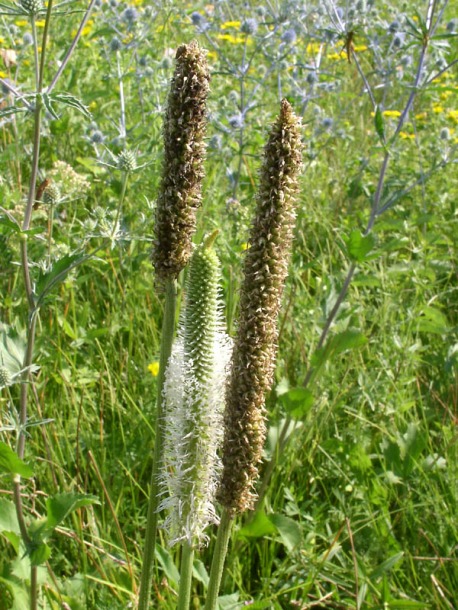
(219, 556)
(184, 593)
(72, 47)
(168, 327)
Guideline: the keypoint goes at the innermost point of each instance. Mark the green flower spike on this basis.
(255, 347)
(184, 148)
(194, 399)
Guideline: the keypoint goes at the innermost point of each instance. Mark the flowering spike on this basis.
(180, 191)
(265, 270)
(194, 399)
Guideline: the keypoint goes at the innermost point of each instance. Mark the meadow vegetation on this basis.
(357, 499)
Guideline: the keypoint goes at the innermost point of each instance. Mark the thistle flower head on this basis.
(31, 7)
(127, 161)
(194, 396)
(51, 194)
(5, 376)
(180, 190)
(254, 353)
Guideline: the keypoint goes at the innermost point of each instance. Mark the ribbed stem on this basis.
(184, 593)
(168, 327)
(219, 556)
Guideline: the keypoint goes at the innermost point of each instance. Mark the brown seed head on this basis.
(265, 270)
(180, 190)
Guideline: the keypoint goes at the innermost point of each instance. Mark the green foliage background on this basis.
(361, 507)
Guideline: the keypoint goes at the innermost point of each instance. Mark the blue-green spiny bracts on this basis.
(265, 270)
(194, 392)
(180, 190)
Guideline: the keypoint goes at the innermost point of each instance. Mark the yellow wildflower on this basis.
(391, 114)
(337, 56)
(230, 24)
(313, 47)
(438, 109)
(40, 23)
(453, 115)
(21, 22)
(406, 136)
(422, 116)
(212, 55)
(359, 48)
(234, 39)
(245, 246)
(446, 94)
(153, 368)
(3, 74)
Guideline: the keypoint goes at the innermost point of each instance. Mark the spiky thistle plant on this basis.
(178, 200)
(253, 360)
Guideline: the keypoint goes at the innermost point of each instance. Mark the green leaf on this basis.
(199, 572)
(69, 100)
(39, 554)
(432, 320)
(167, 562)
(260, 526)
(19, 593)
(10, 463)
(8, 517)
(386, 565)
(56, 274)
(297, 402)
(289, 530)
(359, 246)
(405, 604)
(60, 506)
(346, 340)
(12, 110)
(379, 124)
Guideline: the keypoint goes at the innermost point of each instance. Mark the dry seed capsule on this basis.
(255, 347)
(182, 174)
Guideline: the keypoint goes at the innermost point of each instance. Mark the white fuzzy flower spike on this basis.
(194, 392)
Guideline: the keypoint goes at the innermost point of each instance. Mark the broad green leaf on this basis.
(432, 320)
(166, 560)
(56, 274)
(348, 339)
(10, 463)
(379, 124)
(39, 554)
(297, 402)
(8, 518)
(359, 246)
(289, 530)
(19, 591)
(199, 572)
(386, 566)
(229, 602)
(60, 506)
(260, 526)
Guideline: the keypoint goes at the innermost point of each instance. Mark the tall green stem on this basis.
(219, 556)
(168, 327)
(184, 593)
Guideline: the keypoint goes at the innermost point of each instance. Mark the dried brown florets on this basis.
(180, 190)
(265, 270)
